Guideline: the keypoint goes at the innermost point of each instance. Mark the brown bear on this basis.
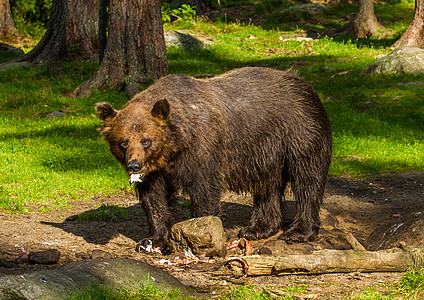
(250, 130)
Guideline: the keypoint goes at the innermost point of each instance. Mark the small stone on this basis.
(265, 251)
(100, 254)
(328, 69)
(55, 114)
(411, 83)
(82, 255)
(46, 257)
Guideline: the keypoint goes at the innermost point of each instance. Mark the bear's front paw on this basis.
(299, 234)
(151, 245)
(255, 233)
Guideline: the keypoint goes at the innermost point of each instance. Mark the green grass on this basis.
(106, 212)
(144, 293)
(410, 286)
(47, 162)
(377, 124)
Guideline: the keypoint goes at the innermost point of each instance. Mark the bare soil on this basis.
(380, 212)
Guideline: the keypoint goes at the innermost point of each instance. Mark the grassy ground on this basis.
(377, 124)
(410, 286)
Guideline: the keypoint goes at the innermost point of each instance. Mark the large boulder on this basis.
(74, 277)
(202, 236)
(407, 60)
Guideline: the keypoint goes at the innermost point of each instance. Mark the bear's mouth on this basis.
(136, 178)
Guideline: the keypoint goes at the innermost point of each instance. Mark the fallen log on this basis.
(327, 261)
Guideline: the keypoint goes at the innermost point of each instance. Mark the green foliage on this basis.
(412, 283)
(32, 10)
(31, 16)
(185, 13)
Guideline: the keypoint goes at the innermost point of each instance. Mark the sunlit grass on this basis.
(377, 124)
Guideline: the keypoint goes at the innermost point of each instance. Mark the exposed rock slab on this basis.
(408, 60)
(182, 41)
(73, 277)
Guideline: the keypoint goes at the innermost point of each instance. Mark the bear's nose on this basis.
(133, 166)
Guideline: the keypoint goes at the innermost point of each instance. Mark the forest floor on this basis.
(380, 212)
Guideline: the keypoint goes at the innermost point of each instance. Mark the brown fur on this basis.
(247, 130)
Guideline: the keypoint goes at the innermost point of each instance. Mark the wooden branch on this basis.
(354, 243)
(327, 261)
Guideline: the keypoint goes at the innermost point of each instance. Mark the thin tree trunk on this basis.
(7, 27)
(363, 25)
(135, 52)
(414, 35)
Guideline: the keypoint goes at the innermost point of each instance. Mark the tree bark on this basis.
(135, 52)
(414, 35)
(71, 32)
(327, 261)
(363, 25)
(7, 27)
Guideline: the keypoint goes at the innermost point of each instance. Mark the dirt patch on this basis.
(380, 212)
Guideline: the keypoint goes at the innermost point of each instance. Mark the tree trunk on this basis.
(135, 52)
(71, 32)
(7, 27)
(363, 25)
(414, 35)
(82, 27)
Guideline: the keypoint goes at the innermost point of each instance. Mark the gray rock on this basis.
(411, 83)
(204, 235)
(55, 114)
(308, 8)
(6, 47)
(47, 257)
(407, 60)
(74, 277)
(183, 41)
(328, 69)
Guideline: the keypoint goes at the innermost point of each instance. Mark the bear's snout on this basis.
(133, 166)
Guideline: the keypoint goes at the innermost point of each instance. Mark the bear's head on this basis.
(136, 134)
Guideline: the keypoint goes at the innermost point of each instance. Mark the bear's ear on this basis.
(161, 109)
(105, 111)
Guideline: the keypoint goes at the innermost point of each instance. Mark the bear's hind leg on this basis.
(266, 217)
(308, 193)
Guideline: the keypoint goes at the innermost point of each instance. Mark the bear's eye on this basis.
(146, 142)
(123, 144)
